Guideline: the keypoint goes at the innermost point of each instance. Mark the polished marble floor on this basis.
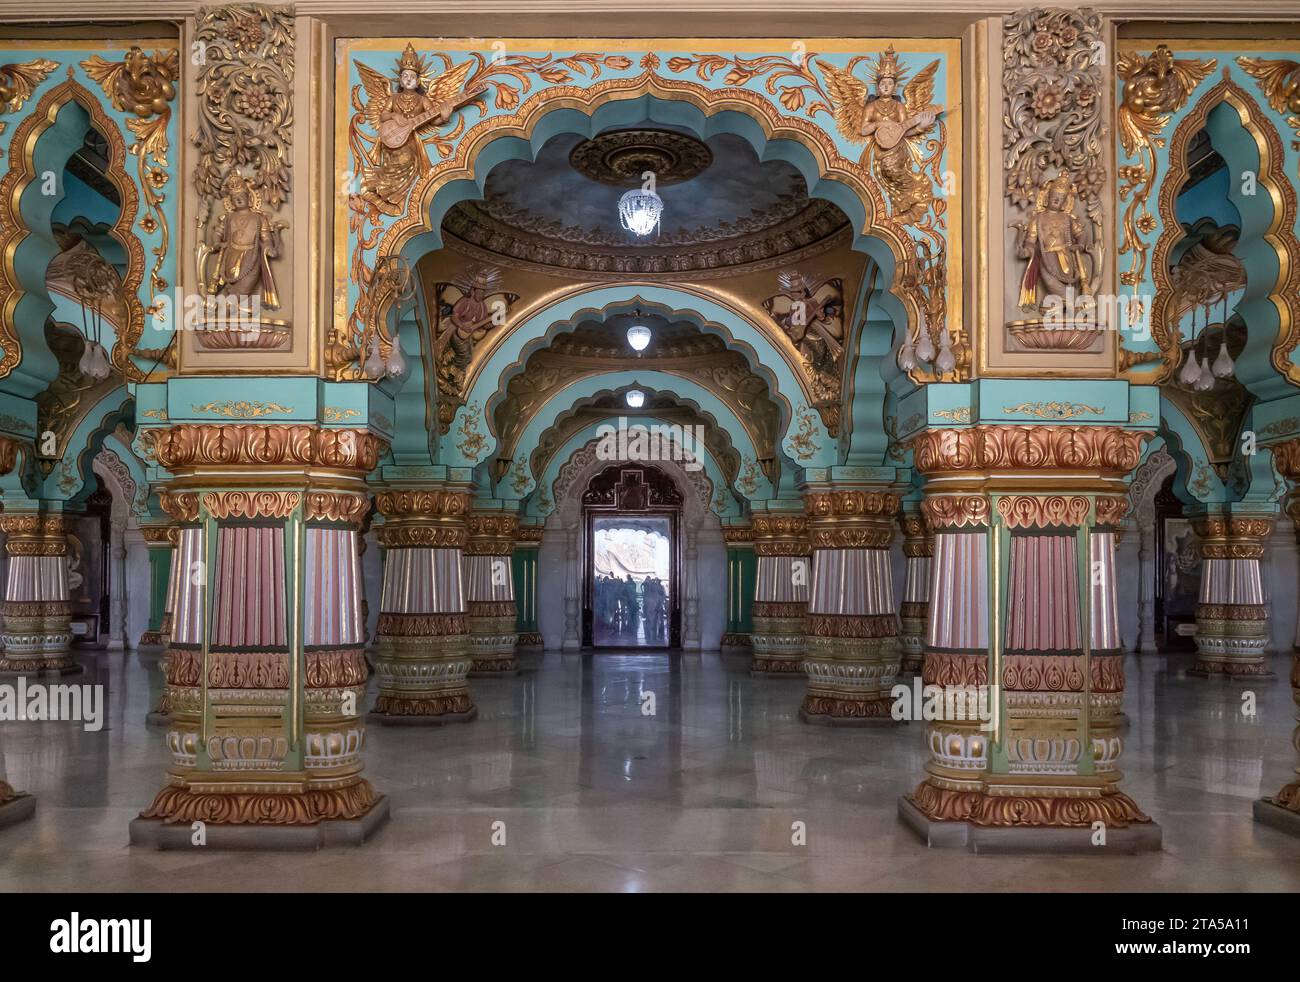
(597, 795)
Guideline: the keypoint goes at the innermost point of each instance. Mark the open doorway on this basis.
(631, 569)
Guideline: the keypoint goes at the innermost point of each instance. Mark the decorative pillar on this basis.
(782, 574)
(1146, 630)
(490, 593)
(266, 667)
(851, 651)
(422, 645)
(184, 563)
(37, 614)
(1023, 640)
(160, 540)
(572, 593)
(117, 585)
(691, 591)
(1282, 810)
(15, 806)
(528, 543)
(1231, 619)
(741, 570)
(918, 549)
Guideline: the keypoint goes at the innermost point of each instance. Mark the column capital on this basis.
(429, 517)
(851, 518)
(780, 534)
(492, 533)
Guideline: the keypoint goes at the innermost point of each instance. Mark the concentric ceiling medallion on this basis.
(620, 157)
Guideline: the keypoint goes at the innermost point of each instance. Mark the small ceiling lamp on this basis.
(635, 398)
(638, 336)
(639, 211)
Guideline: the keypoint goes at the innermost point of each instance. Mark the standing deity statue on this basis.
(398, 156)
(1055, 243)
(893, 123)
(244, 242)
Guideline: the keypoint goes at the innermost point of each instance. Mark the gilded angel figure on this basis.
(398, 157)
(893, 122)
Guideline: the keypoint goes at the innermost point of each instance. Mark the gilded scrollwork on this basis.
(810, 310)
(145, 85)
(1105, 448)
(1155, 86)
(1279, 79)
(243, 136)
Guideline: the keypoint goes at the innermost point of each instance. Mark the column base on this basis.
(824, 710)
(503, 667)
(15, 806)
(1268, 811)
(38, 668)
(1205, 668)
(734, 640)
(1144, 837)
(766, 666)
(530, 640)
(400, 711)
(179, 835)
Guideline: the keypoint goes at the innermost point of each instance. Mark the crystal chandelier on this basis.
(639, 211)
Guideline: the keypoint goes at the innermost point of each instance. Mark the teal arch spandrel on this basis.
(687, 389)
(52, 149)
(1195, 479)
(1239, 149)
(730, 507)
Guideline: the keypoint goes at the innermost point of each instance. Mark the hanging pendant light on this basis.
(1223, 364)
(635, 398)
(374, 366)
(638, 336)
(925, 346)
(1191, 369)
(947, 361)
(639, 211)
(395, 367)
(907, 356)
(1205, 381)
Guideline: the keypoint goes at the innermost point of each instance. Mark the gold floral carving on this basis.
(735, 535)
(181, 805)
(160, 534)
(1155, 86)
(245, 104)
(943, 511)
(337, 506)
(423, 537)
(199, 445)
(530, 535)
(1286, 458)
(955, 668)
(1042, 511)
(242, 409)
(9, 449)
(251, 504)
(334, 668)
(1111, 509)
(180, 505)
(1114, 809)
(1279, 79)
(248, 669)
(492, 534)
(994, 448)
(424, 503)
(18, 82)
(454, 704)
(851, 538)
(850, 503)
(850, 625)
(961, 415)
(145, 86)
(421, 625)
(780, 535)
(1053, 410)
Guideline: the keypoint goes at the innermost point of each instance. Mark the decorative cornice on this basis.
(195, 445)
(1108, 449)
(1042, 511)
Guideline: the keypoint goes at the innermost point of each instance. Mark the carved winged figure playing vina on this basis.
(398, 157)
(893, 123)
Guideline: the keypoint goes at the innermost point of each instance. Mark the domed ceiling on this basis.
(723, 208)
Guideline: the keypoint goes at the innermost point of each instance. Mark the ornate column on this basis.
(117, 585)
(851, 651)
(266, 669)
(179, 629)
(691, 591)
(1024, 640)
(918, 550)
(490, 593)
(1231, 619)
(781, 580)
(15, 806)
(741, 569)
(160, 540)
(1282, 810)
(37, 615)
(422, 645)
(528, 543)
(572, 592)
